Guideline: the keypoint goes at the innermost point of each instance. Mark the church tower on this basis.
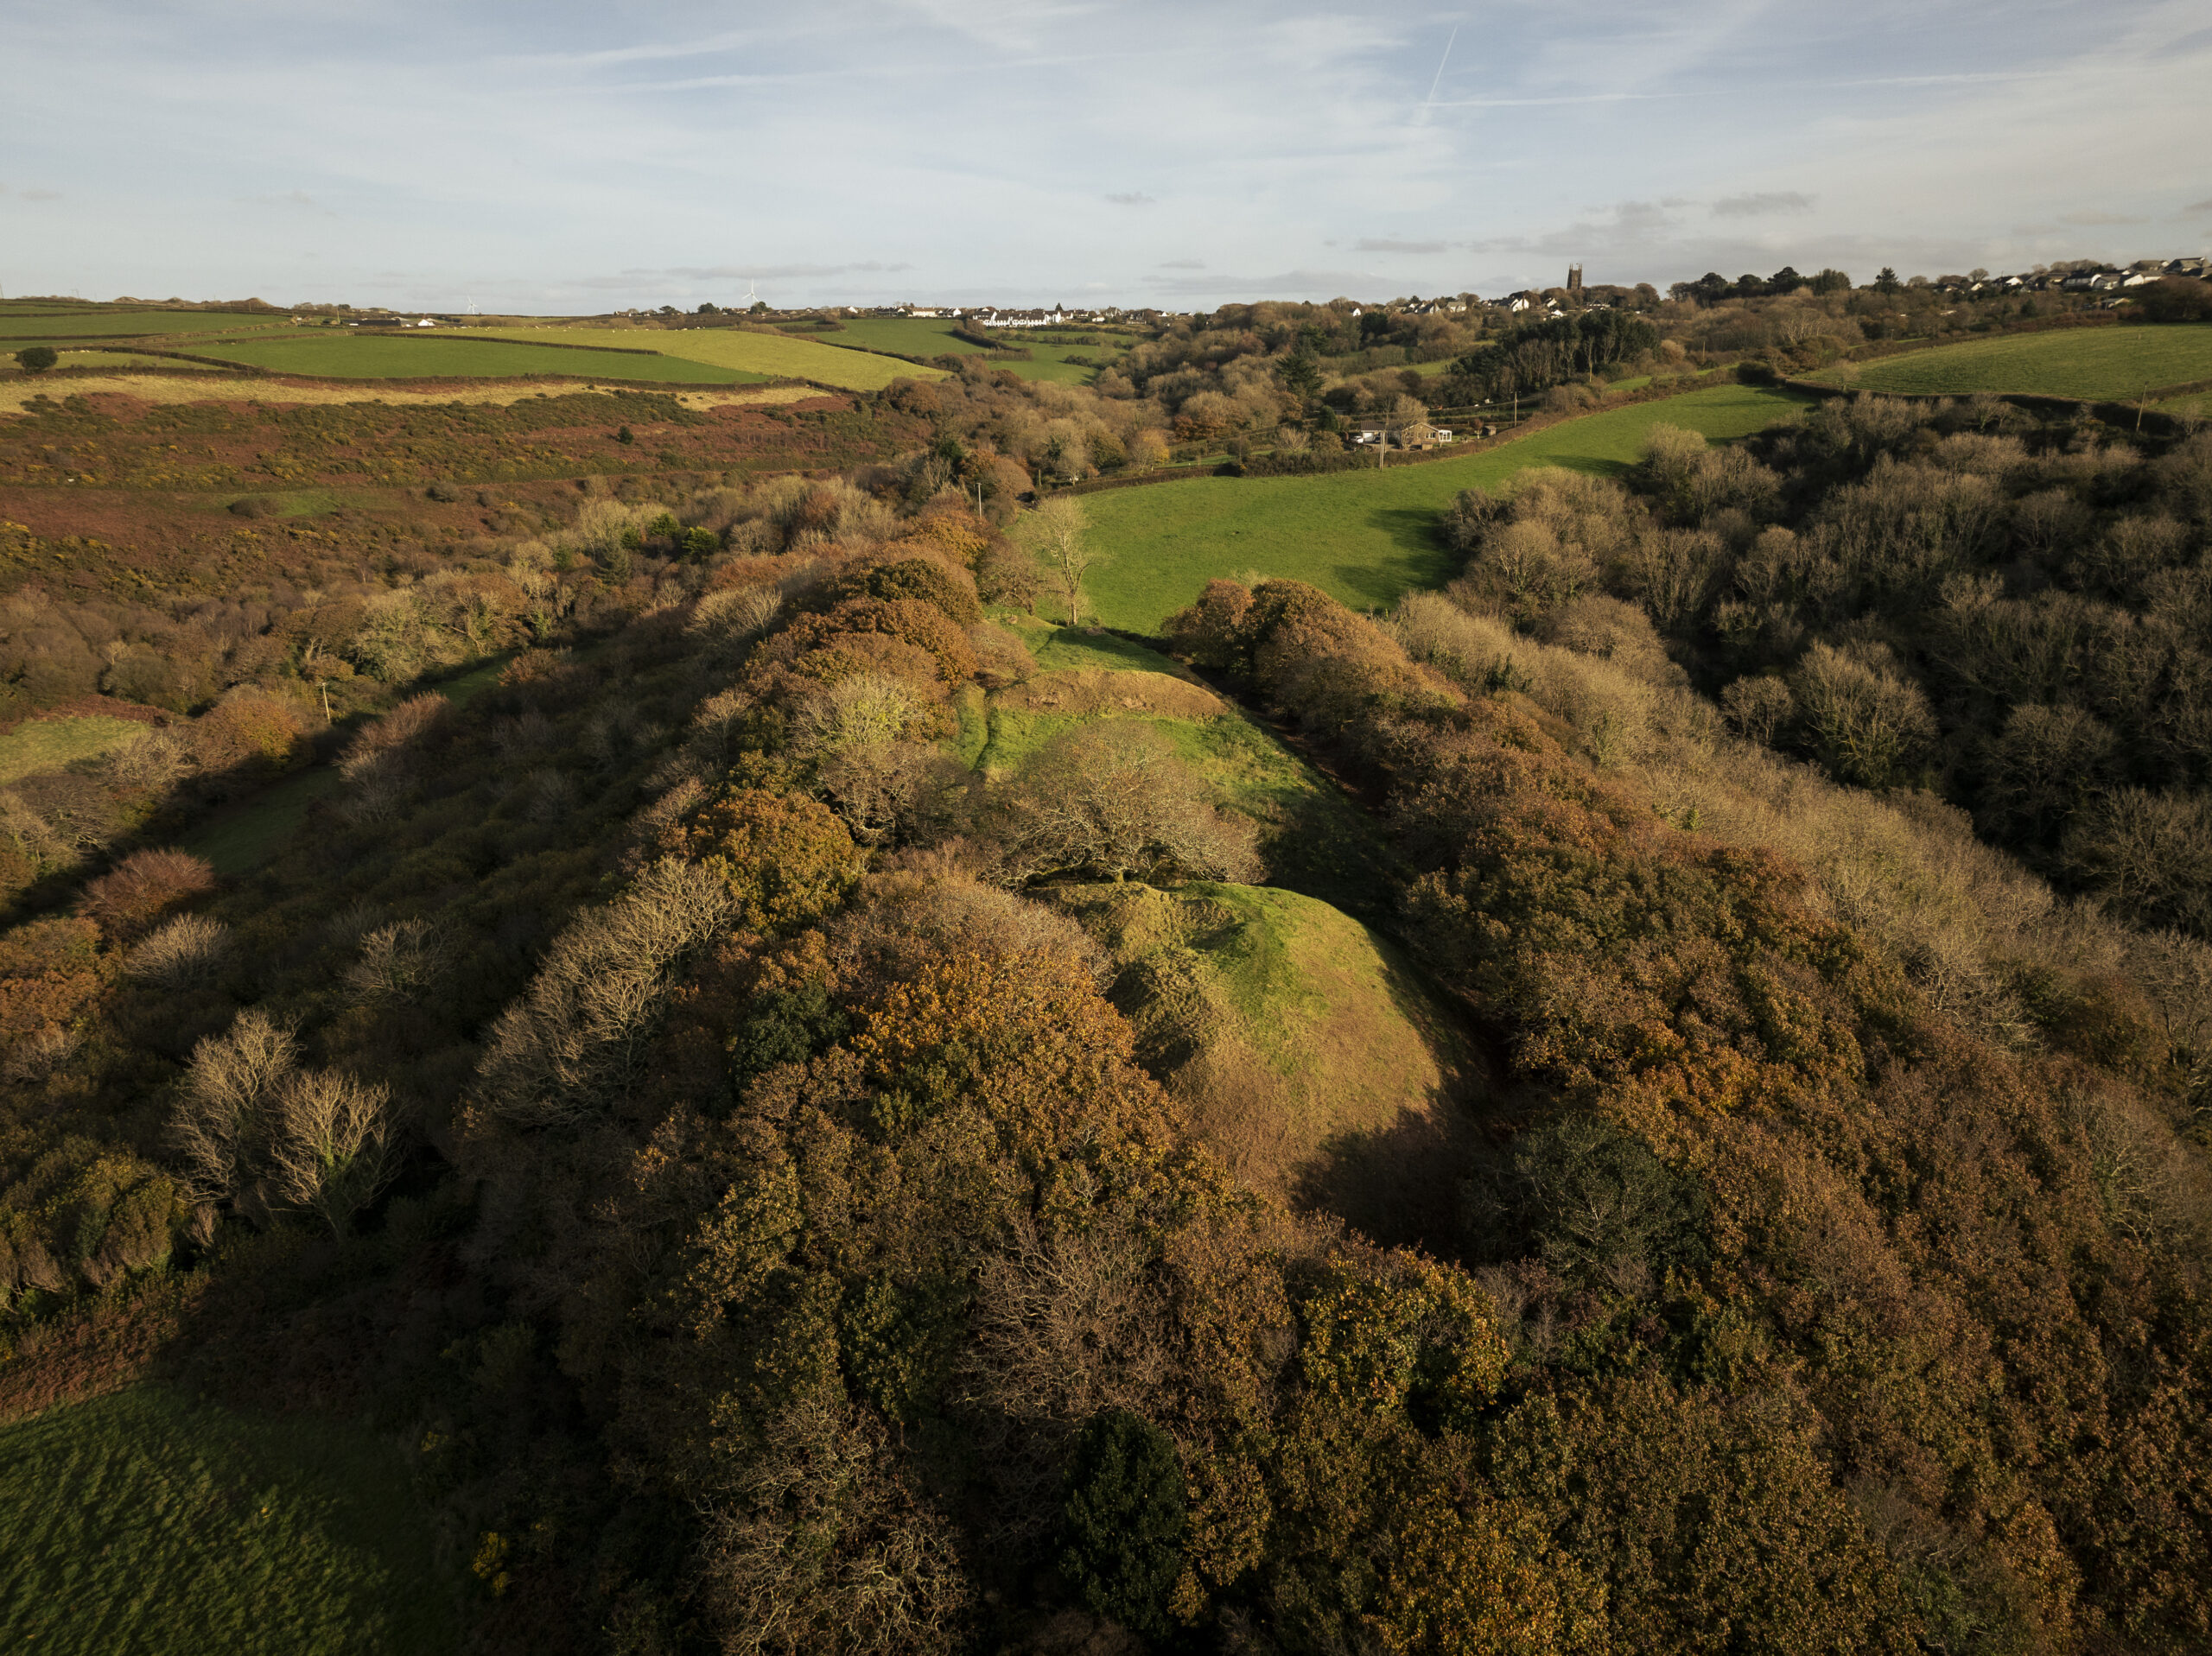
(1574, 278)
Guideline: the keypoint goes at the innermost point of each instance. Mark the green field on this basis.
(910, 336)
(18, 327)
(241, 838)
(931, 336)
(754, 355)
(2113, 364)
(1364, 536)
(148, 1523)
(378, 356)
(49, 743)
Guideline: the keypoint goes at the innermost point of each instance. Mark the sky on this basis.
(554, 157)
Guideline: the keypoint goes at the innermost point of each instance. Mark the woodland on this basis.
(764, 1094)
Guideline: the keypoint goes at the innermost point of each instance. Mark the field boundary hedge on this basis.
(1529, 424)
(2104, 410)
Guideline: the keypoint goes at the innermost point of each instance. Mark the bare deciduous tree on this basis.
(1055, 531)
(229, 1095)
(576, 1038)
(1112, 800)
(401, 961)
(335, 1148)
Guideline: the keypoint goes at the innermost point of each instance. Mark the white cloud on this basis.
(977, 139)
(1760, 203)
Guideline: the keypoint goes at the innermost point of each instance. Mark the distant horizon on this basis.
(1860, 280)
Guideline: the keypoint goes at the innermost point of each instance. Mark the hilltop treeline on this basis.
(2010, 613)
(663, 1091)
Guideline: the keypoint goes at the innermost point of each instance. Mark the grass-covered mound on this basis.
(146, 1522)
(1309, 1056)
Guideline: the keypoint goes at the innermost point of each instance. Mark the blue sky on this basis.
(557, 157)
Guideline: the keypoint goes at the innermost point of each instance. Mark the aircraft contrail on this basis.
(1429, 101)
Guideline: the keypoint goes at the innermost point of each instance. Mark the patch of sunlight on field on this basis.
(772, 354)
(1363, 537)
(49, 743)
(2115, 363)
(19, 328)
(150, 1523)
(375, 356)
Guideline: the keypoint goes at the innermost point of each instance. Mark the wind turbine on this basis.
(751, 298)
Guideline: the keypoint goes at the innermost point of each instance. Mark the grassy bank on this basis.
(150, 1523)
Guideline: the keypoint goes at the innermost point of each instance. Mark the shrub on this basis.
(1123, 1520)
(250, 731)
(143, 887)
(36, 359)
(783, 859)
(404, 961)
(187, 951)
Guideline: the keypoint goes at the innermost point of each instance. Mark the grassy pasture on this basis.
(752, 355)
(1363, 537)
(931, 336)
(18, 328)
(146, 1522)
(2113, 364)
(354, 356)
(49, 743)
(912, 336)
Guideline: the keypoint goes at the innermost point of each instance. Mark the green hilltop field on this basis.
(761, 355)
(1362, 536)
(2097, 364)
(932, 336)
(350, 355)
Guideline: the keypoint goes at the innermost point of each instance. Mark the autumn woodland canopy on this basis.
(721, 1071)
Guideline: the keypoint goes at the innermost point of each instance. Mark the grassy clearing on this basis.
(18, 328)
(774, 356)
(1363, 537)
(241, 838)
(1312, 838)
(1307, 1052)
(353, 356)
(2098, 363)
(49, 743)
(148, 1523)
